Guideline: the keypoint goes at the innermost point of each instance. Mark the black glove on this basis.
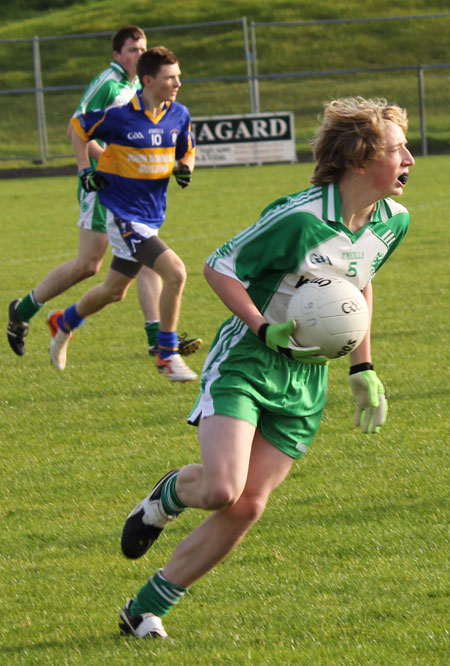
(183, 174)
(92, 181)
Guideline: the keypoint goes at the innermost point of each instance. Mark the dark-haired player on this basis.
(146, 140)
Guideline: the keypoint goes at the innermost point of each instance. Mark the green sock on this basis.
(157, 596)
(152, 328)
(170, 501)
(28, 307)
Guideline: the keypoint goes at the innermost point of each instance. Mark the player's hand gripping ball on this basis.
(92, 181)
(330, 313)
(278, 337)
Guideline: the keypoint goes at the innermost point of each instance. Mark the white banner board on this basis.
(254, 138)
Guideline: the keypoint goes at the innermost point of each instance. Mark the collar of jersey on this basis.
(118, 67)
(332, 209)
(138, 105)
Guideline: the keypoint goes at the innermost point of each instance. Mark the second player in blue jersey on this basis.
(147, 140)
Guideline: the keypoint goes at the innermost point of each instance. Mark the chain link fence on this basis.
(342, 58)
(43, 78)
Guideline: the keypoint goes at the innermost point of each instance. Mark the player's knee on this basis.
(220, 496)
(177, 275)
(115, 295)
(246, 512)
(86, 269)
(112, 293)
(251, 508)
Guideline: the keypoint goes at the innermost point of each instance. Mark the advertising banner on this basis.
(258, 138)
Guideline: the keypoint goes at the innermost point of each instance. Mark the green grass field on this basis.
(348, 566)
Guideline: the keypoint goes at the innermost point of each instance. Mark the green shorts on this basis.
(244, 379)
(92, 212)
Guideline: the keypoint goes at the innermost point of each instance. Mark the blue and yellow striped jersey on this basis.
(140, 155)
(110, 88)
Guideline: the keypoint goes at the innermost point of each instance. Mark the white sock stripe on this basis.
(34, 301)
(168, 594)
(174, 508)
(159, 574)
(171, 588)
(167, 490)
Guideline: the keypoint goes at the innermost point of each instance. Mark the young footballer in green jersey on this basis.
(261, 396)
(115, 86)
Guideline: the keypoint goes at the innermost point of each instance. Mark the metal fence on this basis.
(35, 110)
(421, 86)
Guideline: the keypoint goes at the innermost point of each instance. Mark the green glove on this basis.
(278, 338)
(370, 396)
(183, 175)
(92, 181)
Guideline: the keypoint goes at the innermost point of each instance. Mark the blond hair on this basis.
(351, 135)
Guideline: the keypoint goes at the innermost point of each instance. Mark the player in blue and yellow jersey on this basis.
(261, 397)
(146, 140)
(115, 86)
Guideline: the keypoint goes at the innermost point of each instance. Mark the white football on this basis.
(330, 313)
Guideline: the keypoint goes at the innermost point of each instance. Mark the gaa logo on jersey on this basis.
(320, 259)
(134, 136)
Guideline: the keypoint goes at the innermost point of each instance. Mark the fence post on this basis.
(423, 130)
(255, 69)
(40, 107)
(248, 63)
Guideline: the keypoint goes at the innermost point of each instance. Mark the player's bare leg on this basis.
(218, 481)
(223, 530)
(113, 289)
(233, 471)
(149, 293)
(227, 448)
(173, 272)
(91, 249)
(168, 360)
(61, 324)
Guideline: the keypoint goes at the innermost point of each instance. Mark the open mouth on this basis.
(403, 178)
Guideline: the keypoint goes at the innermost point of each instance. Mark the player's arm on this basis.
(189, 161)
(276, 336)
(91, 180)
(94, 148)
(80, 146)
(368, 390)
(363, 353)
(234, 295)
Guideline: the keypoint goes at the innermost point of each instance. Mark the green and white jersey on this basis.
(297, 238)
(302, 236)
(110, 88)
